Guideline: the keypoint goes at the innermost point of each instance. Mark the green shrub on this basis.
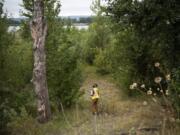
(63, 71)
(175, 90)
(103, 62)
(23, 124)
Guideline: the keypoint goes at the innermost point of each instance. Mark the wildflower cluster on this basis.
(149, 91)
(159, 92)
(133, 86)
(157, 80)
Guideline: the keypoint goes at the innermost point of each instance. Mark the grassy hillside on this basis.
(118, 115)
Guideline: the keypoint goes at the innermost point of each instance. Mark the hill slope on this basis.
(117, 115)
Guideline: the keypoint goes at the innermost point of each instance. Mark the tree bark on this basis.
(39, 31)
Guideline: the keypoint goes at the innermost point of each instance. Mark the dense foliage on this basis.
(15, 69)
(141, 33)
(63, 70)
(98, 37)
(63, 73)
(125, 40)
(153, 26)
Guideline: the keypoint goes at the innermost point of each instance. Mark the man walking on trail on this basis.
(95, 97)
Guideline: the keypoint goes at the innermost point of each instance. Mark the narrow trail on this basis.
(118, 116)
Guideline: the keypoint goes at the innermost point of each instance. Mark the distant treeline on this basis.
(71, 19)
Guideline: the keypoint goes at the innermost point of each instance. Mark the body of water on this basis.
(78, 26)
(13, 28)
(81, 26)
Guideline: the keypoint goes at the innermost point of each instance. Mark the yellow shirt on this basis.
(95, 94)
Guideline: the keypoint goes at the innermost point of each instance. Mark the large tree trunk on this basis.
(38, 32)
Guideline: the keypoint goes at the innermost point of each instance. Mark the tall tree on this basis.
(61, 50)
(51, 12)
(154, 21)
(147, 31)
(8, 100)
(99, 33)
(39, 32)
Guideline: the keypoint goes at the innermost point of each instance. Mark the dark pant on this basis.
(95, 105)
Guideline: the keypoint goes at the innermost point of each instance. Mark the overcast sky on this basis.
(69, 7)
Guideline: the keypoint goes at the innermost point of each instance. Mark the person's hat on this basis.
(95, 85)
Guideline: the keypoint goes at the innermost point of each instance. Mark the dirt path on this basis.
(118, 116)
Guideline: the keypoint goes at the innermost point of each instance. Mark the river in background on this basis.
(13, 28)
(79, 26)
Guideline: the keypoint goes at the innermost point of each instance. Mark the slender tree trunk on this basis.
(38, 32)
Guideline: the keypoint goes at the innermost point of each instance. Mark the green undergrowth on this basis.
(61, 121)
(117, 112)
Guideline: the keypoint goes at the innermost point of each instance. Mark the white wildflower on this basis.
(157, 64)
(168, 77)
(167, 22)
(143, 86)
(133, 86)
(167, 92)
(149, 92)
(157, 79)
